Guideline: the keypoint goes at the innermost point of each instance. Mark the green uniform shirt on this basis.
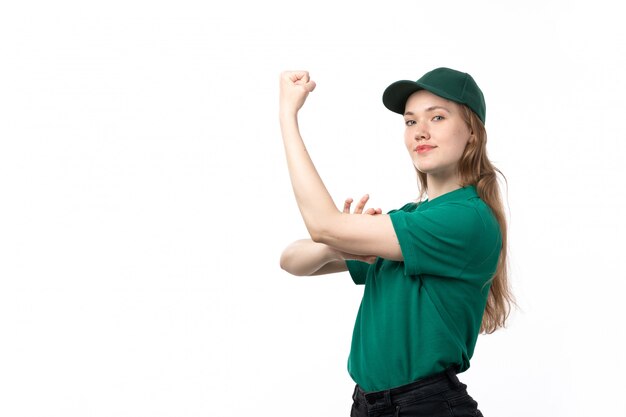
(422, 315)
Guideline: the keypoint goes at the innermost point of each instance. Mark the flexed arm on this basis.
(355, 234)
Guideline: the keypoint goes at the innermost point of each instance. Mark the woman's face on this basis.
(436, 133)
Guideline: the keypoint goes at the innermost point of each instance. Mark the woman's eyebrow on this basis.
(429, 109)
(437, 107)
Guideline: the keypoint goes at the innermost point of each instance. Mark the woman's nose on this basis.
(421, 132)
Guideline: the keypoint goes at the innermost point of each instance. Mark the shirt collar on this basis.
(460, 194)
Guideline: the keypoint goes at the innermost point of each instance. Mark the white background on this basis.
(144, 199)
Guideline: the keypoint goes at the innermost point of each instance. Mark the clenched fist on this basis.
(295, 86)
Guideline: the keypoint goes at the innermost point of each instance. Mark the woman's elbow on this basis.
(327, 228)
(291, 269)
(318, 234)
(287, 261)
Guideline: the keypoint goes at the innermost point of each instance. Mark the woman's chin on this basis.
(424, 169)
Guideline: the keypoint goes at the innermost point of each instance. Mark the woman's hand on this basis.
(295, 86)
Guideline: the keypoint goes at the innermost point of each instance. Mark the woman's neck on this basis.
(439, 186)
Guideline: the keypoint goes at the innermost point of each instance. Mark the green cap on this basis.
(444, 82)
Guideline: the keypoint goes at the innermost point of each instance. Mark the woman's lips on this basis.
(424, 148)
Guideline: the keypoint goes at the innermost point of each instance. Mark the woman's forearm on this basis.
(315, 203)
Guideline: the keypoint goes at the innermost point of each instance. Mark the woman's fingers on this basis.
(347, 204)
(361, 204)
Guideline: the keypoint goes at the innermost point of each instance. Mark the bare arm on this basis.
(358, 235)
(305, 257)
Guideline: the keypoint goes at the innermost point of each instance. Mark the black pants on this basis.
(441, 395)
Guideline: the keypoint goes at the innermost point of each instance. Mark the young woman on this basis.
(434, 271)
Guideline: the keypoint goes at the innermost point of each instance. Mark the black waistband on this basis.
(449, 375)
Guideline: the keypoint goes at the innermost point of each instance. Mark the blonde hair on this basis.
(475, 169)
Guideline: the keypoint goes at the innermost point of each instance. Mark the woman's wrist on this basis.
(287, 114)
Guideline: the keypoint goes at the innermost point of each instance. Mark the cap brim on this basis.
(396, 95)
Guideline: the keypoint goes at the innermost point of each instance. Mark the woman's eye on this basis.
(437, 118)
(409, 122)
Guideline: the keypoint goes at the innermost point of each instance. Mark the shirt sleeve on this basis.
(358, 271)
(444, 240)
